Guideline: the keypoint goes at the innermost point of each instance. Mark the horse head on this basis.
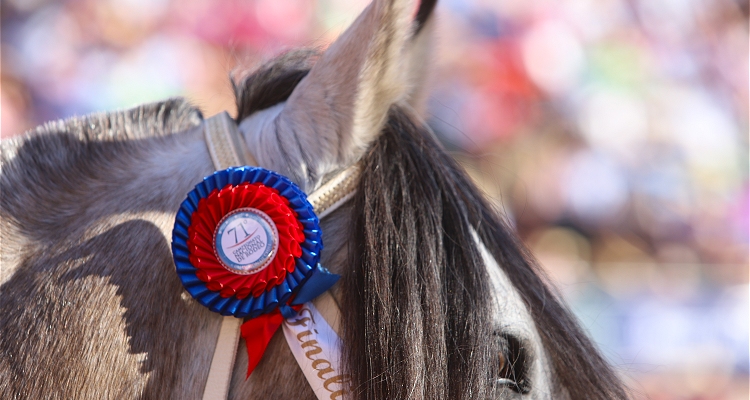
(438, 299)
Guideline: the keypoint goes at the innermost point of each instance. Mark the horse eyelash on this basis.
(515, 375)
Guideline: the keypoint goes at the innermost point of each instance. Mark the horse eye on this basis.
(512, 365)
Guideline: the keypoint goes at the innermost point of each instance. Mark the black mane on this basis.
(418, 320)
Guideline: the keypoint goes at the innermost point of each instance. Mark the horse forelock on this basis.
(421, 289)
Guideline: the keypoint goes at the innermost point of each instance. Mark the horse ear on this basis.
(341, 105)
(419, 56)
(345, 98)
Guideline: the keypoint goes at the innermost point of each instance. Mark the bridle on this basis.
(226, 148)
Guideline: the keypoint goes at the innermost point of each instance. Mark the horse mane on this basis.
(418, 318)
(272, 82)
(146, 120)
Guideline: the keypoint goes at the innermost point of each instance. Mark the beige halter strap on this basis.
(224, 146)
(227, 149)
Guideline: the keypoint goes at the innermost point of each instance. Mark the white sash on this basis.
(317, 349)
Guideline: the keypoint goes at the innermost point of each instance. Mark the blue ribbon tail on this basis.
(287, 311)
(319, 281)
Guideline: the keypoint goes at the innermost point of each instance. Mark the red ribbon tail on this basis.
(257, 332)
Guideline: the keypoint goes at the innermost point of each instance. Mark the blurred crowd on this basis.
(613, 134)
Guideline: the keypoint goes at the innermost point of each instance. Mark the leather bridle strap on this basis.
(224, 146)
(335, 192)
(227, 149)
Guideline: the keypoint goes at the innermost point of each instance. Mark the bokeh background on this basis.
(613, 133)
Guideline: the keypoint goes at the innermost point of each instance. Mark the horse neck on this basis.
(91, 264)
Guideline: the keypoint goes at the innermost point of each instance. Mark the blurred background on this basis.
(612, 133)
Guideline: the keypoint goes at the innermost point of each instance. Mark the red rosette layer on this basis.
(208, 215)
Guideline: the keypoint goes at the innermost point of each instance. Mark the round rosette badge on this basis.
(246, 241)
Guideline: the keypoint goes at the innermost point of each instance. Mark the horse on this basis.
(439, 299)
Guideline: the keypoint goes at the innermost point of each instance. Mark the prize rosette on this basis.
(246, 242)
